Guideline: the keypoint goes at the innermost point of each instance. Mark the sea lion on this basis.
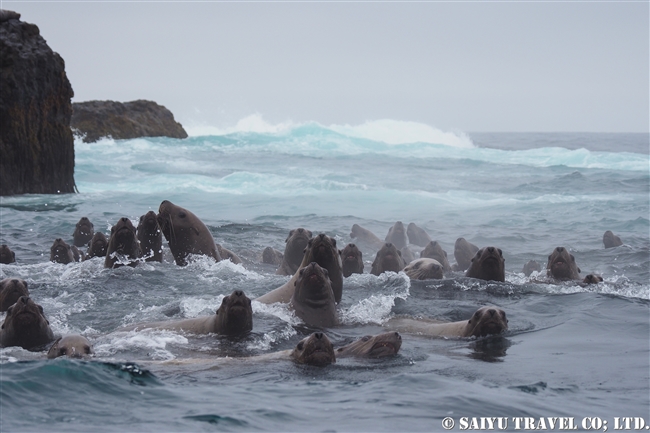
(592, 279)
(388, 258)
(313, 298)
(485, 321)
(487, 264)
(97, 246)
(6, 255)
(185, 233)
(611, 240)
(83, 232)
(315, 350)
(366, 237)
(271, 256)
(123, 245)
(397, 235)
(424, 269)
(562, 265)
(433, 250)
(407, 255)
(25, 326)
(352, 260)
(72, 346)
(530, 267)
(226, 254)
(294, 251)
(150, 237)
(233, 317)
(322, 250)
(11, 289)
(463, 252)
(417, 236)
(61, 252)
(372, 346)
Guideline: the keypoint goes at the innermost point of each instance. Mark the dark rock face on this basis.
(96, 119)
(36, 144)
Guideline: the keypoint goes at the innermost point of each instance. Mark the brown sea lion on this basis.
(417, 236)
(366, 237)
(485, 321)
(463, 252)
(611, 240)
(315, 350)
(388, 258)
(592, 279)
(424, 269)
(372, 346)
(61, 252)
(530, 267)
(233, 317)
(72, 346)
(97, 246)
(150, 237)
(83, 232)
(487, 264)
(185, 233)
(313, 298)
(322, 250)
(6, 255)
(272, 256)
(433, 250)
(352, 260)
(11, 289)
(25, 326)
(397, 235)
(226, 254)
(294, 251)
(562, 265)
(407, 255)
(123, 245)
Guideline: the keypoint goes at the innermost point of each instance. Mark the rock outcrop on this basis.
(96, 119)
(36, 143)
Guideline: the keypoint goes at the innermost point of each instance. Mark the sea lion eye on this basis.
(365, 338)
(62, 351)
(500, 252)
(9, 310)
(87, 350)
(182, 214)
(573, 259)
(40, 309)
(300, 346)
(333, 242)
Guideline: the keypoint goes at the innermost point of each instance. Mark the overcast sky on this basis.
(501, 66)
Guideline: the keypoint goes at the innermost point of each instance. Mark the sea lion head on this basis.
(11, 289)
(593, 279)
(25, 325)
(83, 232)
(373, 346)
(388, 258)
(463, 253)
(433, 250)
(562, 265)
(397, 235)
(6, 255)
(315, 350)
(296, 243)
(424, 269)
(235, 315)
(487, 264)
(123, 236)
(610, 240)
(148, 224)
(98, 245)
(72, 346)
(61, 252)
(352, 260)
(168, 215)
(355, 231)
(322, 249)
(530, 267)
(313, 286)
(417, 236)
(487, 321)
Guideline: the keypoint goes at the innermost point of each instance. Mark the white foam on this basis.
(252, 123)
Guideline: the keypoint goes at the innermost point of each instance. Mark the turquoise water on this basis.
(571, 350)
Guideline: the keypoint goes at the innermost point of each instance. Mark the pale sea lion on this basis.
(233, 317)
(351, 260)
(463, 252)
(72, 346)
(315, 350)
(11, 289)
(562, 265)
(150, 237)
(83, 232)
(487, 264)
(424, 269)
(6, 255)
(272, 256)
(397, 235)
(530, 267)
(366, 237)
(388, 258)
(611, 240)
(294, 251)
(123, 245)
(433, 250)
(592, 279)
(417, 236)
(61, 252)
(25, 325)
(97, 246)
(185, 233)
(313, 298)
(372, 346)
(226, 254)
(485, 321)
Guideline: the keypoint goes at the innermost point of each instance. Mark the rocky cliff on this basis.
(95, 119)
(36, 144)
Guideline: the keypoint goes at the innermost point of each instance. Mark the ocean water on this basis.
(570, 351)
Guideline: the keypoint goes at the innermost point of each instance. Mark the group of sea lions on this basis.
(317, 269)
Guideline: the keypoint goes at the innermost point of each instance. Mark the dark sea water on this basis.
(571, 350)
